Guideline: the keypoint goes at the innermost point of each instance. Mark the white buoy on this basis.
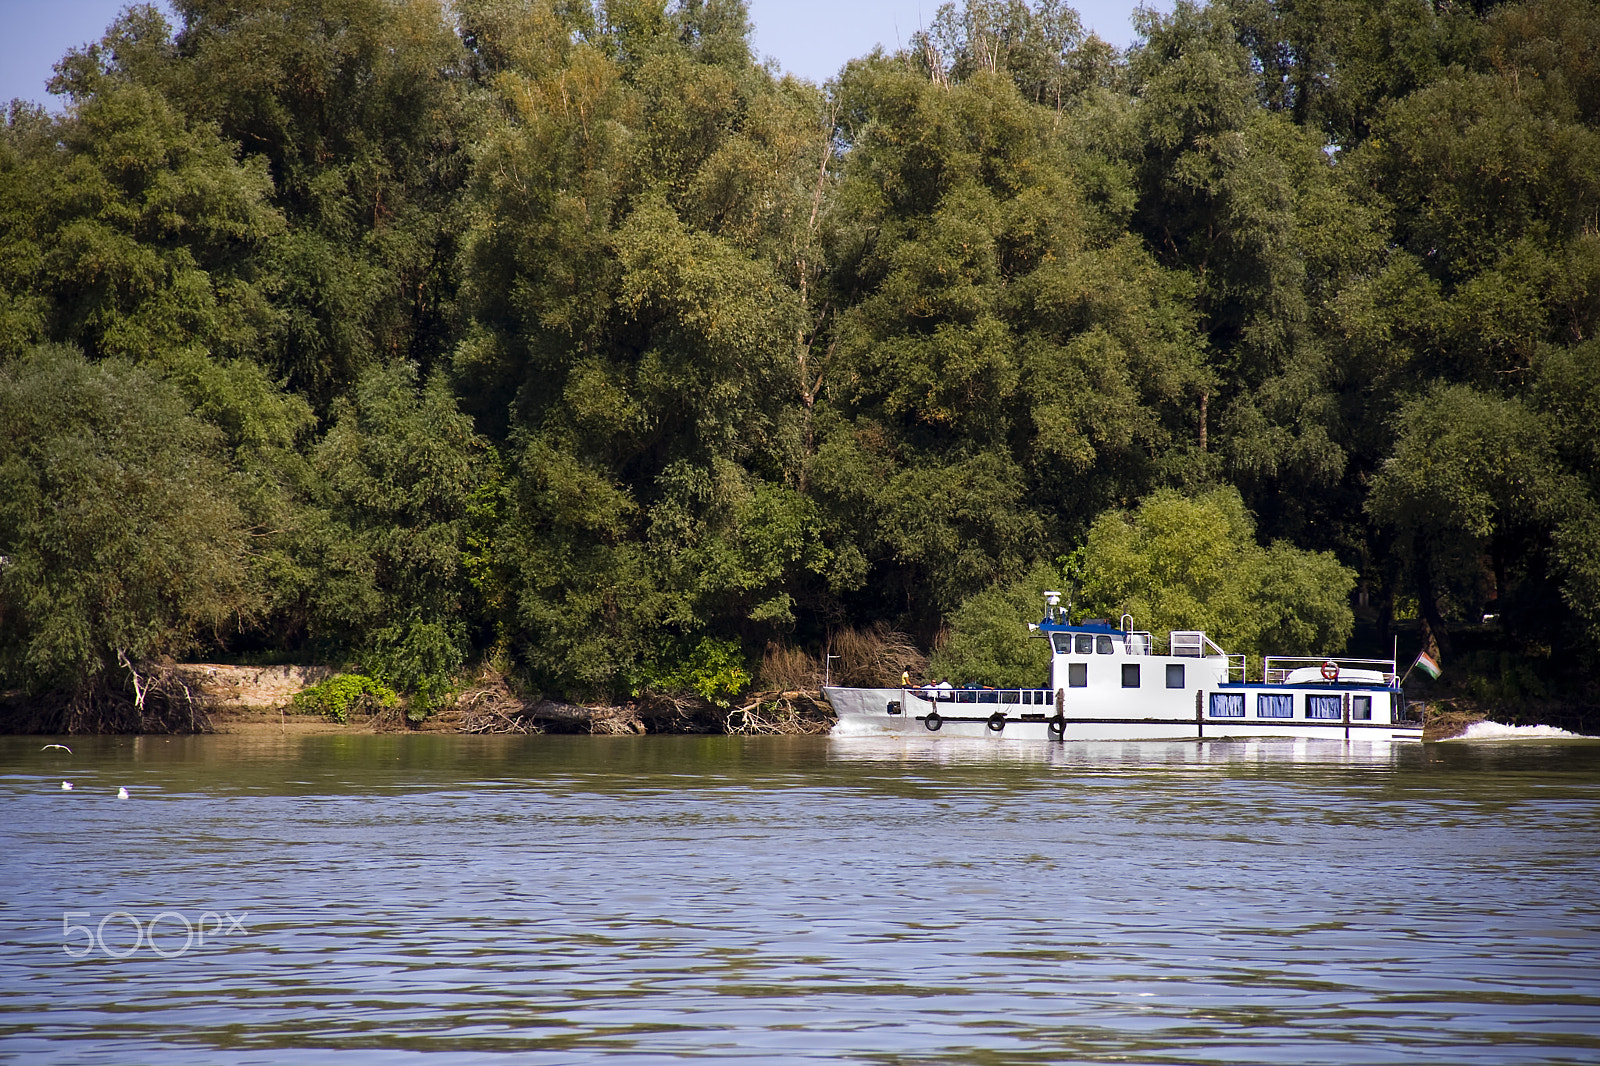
(122, 793)
(66, 786)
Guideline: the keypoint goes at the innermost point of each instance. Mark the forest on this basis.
(566, 339)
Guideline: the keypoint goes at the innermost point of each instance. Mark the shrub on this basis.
(340, 695)
(715, 669)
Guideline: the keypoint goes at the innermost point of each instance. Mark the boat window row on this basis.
(1132, 676)
(1083, 644)
(1282, 705)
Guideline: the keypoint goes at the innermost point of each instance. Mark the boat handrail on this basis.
(1138, 642)
(1027, 697)
(1236, 665)
(1276, 669)
(1193, 644)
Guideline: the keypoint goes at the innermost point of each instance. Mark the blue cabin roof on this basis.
(1099, 628)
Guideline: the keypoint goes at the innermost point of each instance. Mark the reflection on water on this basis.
(866, 900)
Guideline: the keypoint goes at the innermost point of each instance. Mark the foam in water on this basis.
(1496, 731)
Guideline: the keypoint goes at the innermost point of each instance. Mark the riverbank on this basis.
(259, 700)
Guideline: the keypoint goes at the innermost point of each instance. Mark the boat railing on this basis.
(1138, 642)
(1236, 664)
(1025, 697)
(1194, 644)
(1277, 669)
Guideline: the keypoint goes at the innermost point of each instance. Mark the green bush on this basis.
(342, 694)
(715, 669)
(419, 658)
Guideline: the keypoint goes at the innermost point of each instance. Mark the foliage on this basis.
(1178, 562)
(989, 641)
(565, 333)
(714, 669)
(342, 695)
(124, 536)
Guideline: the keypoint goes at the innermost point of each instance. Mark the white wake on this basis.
(1497, 731)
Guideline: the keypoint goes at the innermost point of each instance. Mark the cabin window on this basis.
(1174, 675)
(1063, 643)
(1077, 675)
(1324, 707)
(1274, 705)
(1085, 644)
(1103, 646)
(1227, 705)
(1130, 675)
(1361, 708)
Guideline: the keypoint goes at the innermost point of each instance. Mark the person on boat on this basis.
(944, 688)
(905, 678)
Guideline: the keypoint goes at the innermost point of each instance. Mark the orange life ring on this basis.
(1330, 671)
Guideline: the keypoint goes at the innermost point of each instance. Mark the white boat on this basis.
(1108, 683)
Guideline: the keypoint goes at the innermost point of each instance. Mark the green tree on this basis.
(382, 555)
(1179, 562)
(989, 639)
(1472, 478)
(357, 108)
(123, 536)
(129, 231)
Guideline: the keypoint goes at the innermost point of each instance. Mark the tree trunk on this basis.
(1435, 639)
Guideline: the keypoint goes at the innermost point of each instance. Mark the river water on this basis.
(397, 899)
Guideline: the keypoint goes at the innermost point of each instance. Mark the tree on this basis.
(989, 640)
(1178, 562)
(130, 231)
(1472, 477)
(124, 538)
(401, 474)
(357, 110)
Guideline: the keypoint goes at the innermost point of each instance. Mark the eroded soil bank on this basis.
(249, 699)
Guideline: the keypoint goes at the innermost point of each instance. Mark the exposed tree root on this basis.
(148, 698)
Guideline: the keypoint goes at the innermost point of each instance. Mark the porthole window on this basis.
(1361, 708)
(1077, 675)
(1130, 675)
(1174, 675)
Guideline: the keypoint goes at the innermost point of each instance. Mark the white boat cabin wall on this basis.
(1110, 683)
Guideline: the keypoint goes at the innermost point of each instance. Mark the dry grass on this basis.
(874, 658)
(789, 669)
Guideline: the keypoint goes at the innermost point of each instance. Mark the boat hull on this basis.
(889, 712)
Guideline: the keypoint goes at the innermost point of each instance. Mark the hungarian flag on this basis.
(1426, 664)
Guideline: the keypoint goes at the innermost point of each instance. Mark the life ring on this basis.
(1057, 726)
(933, 722)
(997, 721)
(1330, 671)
